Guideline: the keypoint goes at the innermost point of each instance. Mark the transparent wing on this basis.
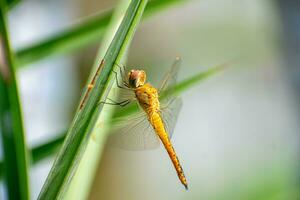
(169, 113)
(171, 104)
(134, 133)
(122, 94)
(170, 78)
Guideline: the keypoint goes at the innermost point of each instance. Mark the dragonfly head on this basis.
(136, 78)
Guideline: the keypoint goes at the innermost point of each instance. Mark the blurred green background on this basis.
(237, 133)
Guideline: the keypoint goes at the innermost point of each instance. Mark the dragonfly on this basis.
(155, 122)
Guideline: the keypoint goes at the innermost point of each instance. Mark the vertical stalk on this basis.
(11, 126)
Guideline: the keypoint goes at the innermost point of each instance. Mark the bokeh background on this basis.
(237, 135)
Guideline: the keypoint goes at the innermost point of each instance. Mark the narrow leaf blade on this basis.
(11, 125)
(79, 36)
(74, 145)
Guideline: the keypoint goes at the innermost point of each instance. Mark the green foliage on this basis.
(41, 151)
(11, 3)
(11, 126)
(88, 32)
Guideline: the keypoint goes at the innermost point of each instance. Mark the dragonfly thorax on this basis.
(147, 97)
(136, 78)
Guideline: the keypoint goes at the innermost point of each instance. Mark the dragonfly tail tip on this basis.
(186, 187)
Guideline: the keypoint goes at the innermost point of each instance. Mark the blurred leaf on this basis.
(11, 125)
(11, 3)
(70, 40)
(41, 151)
(80, 36)
(159, 5)
(48, 149)
(86, 116)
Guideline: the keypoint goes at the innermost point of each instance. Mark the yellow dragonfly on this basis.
(157, 119)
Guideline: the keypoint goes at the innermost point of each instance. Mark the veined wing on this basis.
(121, 94)
(170, 104)
(169, 79)
(134, 133)
(169, 114)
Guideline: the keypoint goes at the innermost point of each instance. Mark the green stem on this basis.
(11, 125)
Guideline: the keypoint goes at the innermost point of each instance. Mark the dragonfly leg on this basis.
(122, 70)
(118, 84)
(121, 103)
(115, 103)
(123, 74)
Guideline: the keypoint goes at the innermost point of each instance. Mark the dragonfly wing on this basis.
(134, 133)
(121, 94)
(171, 104)
(170, 113)
(170, 78)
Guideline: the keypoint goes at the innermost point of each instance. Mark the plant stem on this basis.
(11, 125)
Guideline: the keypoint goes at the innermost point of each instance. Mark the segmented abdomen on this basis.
(156, 122)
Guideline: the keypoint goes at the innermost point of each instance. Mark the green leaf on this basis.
(156, 6)
(41, 151)
(11, 3)
(48, 149)
(11, 125)
(80, 36)
(86, 116)
(81, 183)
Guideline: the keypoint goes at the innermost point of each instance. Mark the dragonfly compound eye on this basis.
(136, 78)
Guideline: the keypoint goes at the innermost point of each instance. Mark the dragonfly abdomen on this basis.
(157, 123)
